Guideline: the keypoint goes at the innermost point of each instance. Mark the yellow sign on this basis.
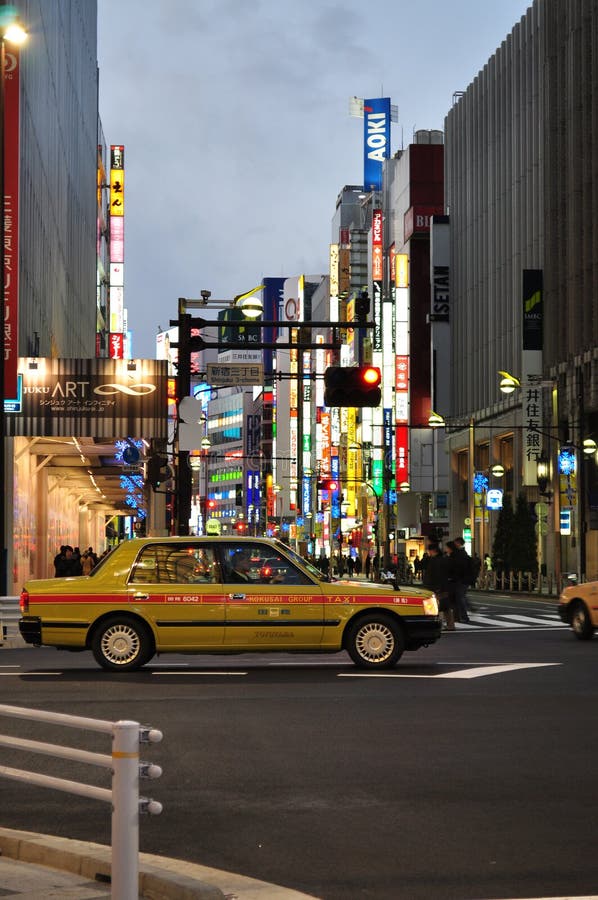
(213, 526)
(117, 192)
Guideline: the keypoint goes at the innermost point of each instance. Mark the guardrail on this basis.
(10, 614)
(124, 795)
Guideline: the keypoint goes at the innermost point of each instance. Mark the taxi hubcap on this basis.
(120, 643)
(375, 641)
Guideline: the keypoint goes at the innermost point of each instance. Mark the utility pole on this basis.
(183, 470)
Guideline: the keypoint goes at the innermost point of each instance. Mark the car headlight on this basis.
(431, 606)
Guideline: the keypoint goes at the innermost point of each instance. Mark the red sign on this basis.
(419, 218)
(11, 221)
(402, 448)
(117, 346)
(377, 245)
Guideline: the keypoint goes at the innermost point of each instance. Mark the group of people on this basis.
(70, 561)
(449, 574)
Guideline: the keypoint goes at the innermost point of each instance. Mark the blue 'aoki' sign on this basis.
(376, 138)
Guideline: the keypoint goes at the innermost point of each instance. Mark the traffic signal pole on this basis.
(187, 345)
(184, 476)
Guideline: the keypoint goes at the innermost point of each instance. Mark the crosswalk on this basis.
(486, 618)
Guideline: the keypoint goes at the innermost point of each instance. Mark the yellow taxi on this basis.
(578, 607)
(222, 595)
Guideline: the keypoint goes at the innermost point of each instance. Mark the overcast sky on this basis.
(235, 119)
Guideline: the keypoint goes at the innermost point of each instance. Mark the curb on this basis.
(160, 878)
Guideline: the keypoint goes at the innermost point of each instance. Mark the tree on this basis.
(524, 555)
(502, 545)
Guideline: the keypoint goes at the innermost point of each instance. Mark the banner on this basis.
(376, 141)
(11, 221)
(101, 398)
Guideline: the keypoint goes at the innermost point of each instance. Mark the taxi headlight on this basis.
(431, 606)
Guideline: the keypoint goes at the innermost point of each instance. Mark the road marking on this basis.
(486, 620)
(478, 672)
(191, 672)
(551, 621)
(21, 674)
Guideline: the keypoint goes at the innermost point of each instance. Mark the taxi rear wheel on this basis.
(581, 622)
(122, 643)
(375, 641)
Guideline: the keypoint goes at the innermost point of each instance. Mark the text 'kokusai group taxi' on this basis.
(222, 595)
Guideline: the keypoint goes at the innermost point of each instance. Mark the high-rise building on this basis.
(522, 193)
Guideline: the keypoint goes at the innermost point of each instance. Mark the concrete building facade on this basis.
(522, 196)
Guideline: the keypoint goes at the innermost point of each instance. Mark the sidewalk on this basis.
(36, 866)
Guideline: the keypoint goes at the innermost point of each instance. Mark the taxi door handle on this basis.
(237, 596)
(141, 596)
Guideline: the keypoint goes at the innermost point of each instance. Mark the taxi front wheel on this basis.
(581, 622)
(122, 643)
(375, 641)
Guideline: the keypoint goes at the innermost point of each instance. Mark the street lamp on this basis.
(508, 383)
(11, 32)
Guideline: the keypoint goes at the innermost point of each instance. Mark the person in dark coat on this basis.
(435, 577)
(463, 576)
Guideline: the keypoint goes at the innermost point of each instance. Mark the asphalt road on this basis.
(460, 774)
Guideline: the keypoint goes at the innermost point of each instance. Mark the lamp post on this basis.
(13, 33)
(435, 420)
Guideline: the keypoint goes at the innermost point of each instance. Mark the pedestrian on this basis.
(358, 564)
(436, 578)
(417, 566)
(87, 563)
(64, 564)
(376, 567)
(59, 562)
(368, 566)
(462, 576)
(324, 563)
(350, 565)
(76, 567)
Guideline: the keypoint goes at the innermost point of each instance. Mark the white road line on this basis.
(486, 620)
(22, 674)
(191, 672)
(552, 622)
(478, 672)
(494, 670)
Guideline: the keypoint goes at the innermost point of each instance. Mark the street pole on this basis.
(470, 493)
(6, 494)
(183, 470)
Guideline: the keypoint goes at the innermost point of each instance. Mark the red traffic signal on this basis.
(327, 484)
(211, 504)
(352, 386)
(240, 527)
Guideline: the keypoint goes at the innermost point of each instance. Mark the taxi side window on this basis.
(182, 564)
(145, 570)
(192, 565)
(243, 563)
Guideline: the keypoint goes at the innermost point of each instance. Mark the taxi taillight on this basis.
(24, 601)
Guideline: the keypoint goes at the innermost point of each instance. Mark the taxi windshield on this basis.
(313, 570)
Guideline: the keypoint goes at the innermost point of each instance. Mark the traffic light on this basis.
(327, 484)
(157, 470)
(352, 386)
(362, 306)
(240, 527)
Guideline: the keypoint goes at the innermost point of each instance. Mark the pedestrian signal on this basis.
(157, 470)
(355, 386)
